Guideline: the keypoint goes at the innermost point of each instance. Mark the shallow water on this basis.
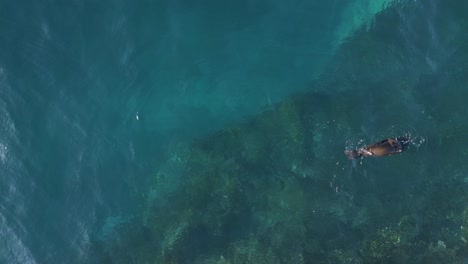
(104, 106)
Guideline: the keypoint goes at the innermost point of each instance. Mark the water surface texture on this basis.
(209, 132)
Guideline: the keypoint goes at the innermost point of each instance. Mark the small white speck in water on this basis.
(137, 116)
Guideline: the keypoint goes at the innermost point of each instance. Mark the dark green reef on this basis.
(278, 189)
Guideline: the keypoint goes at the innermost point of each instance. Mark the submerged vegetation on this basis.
(278, 188)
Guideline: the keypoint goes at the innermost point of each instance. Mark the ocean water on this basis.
(209, 132)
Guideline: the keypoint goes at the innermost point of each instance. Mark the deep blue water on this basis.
(94, 97)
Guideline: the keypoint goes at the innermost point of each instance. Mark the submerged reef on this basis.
(278, 189)
(268, 191)
(235, 189)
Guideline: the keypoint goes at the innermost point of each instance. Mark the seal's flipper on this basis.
(395, 145)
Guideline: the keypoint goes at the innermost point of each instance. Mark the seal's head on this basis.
(404, 142)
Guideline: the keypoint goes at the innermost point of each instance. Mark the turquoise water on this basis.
(209, 132)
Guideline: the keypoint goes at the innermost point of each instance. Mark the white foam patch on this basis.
(7, 128)
(13, 248)
(3, 152)
(12, 208)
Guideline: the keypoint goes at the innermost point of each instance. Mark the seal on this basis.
(384, 147)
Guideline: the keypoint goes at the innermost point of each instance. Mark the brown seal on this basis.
(385, 147)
